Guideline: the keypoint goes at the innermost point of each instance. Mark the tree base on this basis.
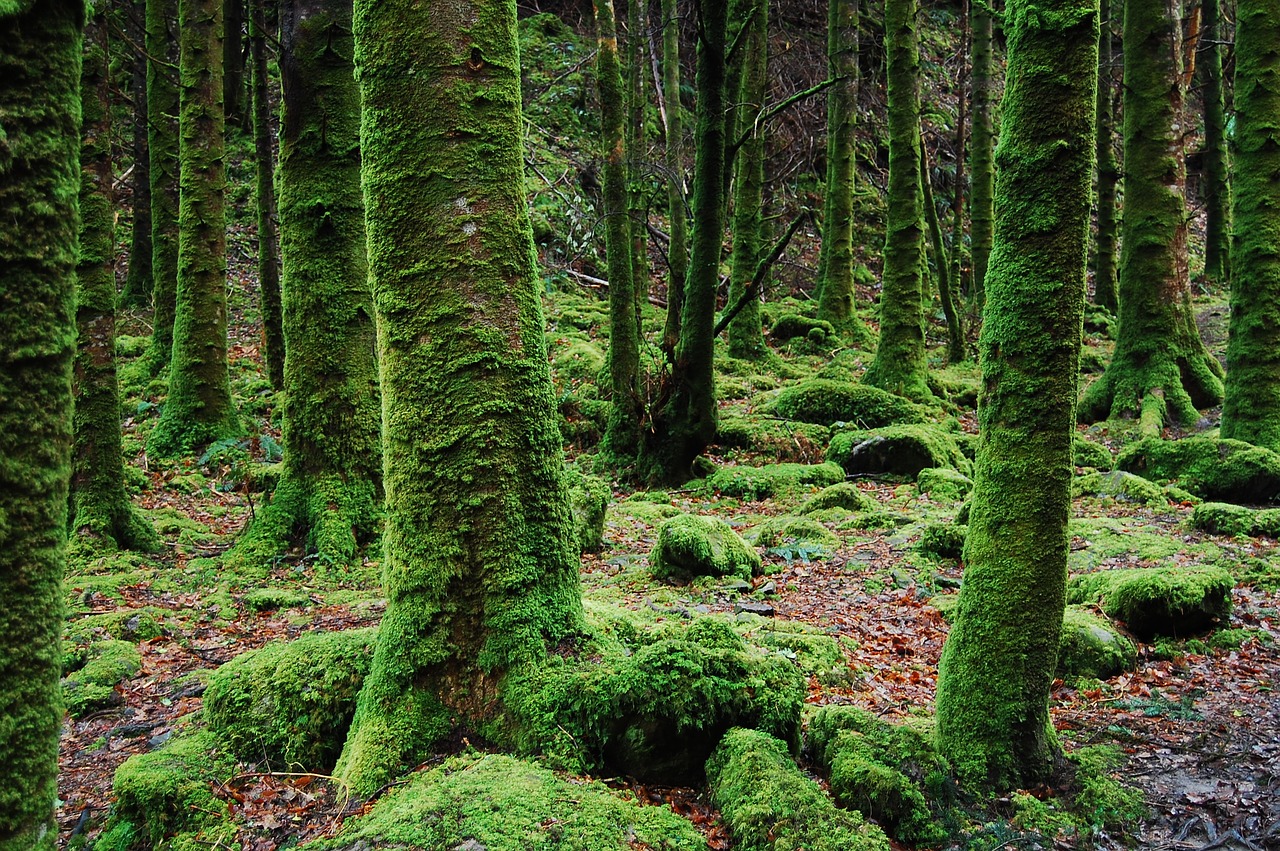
(1166, 389)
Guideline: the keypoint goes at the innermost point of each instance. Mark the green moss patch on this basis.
(770, 805)
(1120, 486)
(290, 704)
(944, 483)
(781, 439)
(826, 402)
(1087, 453)
(1173, 601)
(789, 326)
(902, 450)
(772, 479)
(107, 665)
(1225, 519)
(1092, 647)
(1224, 470)
(271, 599)
(690, 545)
(588, 499)
(845, 495)
(790, 533)
(942, 540)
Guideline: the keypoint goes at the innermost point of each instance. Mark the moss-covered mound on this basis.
(789, 326)
(942, 540)
(500, 803)
(654, 706)
(1225, 519)
(1120, 486)
(1092, 647)
(825, 402)
(881, 770)
(772, 479)
(944, 483)
(770, 805)
(1223, 470)
(844, 495)
(107, 665)
(692, 545)
(902, 450)
(291, 703)
(796, 532)
(1173, 601)
(588, 499)
(1087, 453)
(785, 441)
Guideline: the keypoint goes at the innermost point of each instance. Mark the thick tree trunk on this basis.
(480, 567)
(636, 145)
(1105, 286)
(1160, 371)
(678, 248)
(233, 61)
(39, 180)
(268, 245)
(900, 365)
(162, 151)
(982, 143)
(1215, 179)
(100, 508)
(138, 283)
(1252, 408)
(999, 661)
(199, 410)
(946, 287)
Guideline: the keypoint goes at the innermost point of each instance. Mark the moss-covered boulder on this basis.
(781, 439)
(796, 533)
(500, 803)
(1211, 468)
(769, 804)
(691, 545)
(944, 483)
(942, 540)
(902, 450)
(845, 495)
(1223, 518)
(1120, 486)
(588, 499)
(772, 479)
(789, 326)
(826, 402)
(1088, 453)
(291, 703)
(1092, 647)
(579, 361)
(1173, 601)
(107, 665)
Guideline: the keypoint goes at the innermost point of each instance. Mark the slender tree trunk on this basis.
(138, 282)
(268, 246)
(962, 145)
(636, 145)
(480, 565)
(946, 287)
(1252, 408)
(100, 508)
(39, 180)
(998, 663)
(1105, 286)
(1215, 178)
(746, 336)
(836, 257)
(233, 62)
(900, 365)
(1160, 371)
(199, 409)
(678, 248)
(982, 214)
(162, 150)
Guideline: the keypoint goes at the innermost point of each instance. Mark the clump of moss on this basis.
(1225, 470)
(785, 531)
(499, 802)
(1120, 486)
(1225, 519)
(1101, 799)
(845, 495)
(789, 326)
(942, 540)
(815, 652)
(1175, 601)
(902, 450)
(1234, 639)
(588, 499)
(580, 361)
(691, 545)
(582, 415)
(772, 479)
(944, 483)
(1092, 647)
(783, 440)
(107, 665)
(270, 599)
(123, 624)
(826, 402)
(770, 805)
(1087, 453)
(291, 703)
(646, 511)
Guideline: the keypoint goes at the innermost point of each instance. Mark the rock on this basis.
(844, 495)
(1092, 647)
(691, 545)
(1173, 601)
(799, 533)
(902, 450)
(764, 610)
(772, 479)
(824, 402)
(1225, 519)
(942, 540)
(1120, 486)
(1211, 468)
(1087, 453)
(944, 483)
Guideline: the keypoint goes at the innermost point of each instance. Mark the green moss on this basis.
(690, 546)
(124, 624)
(1087, 453)
(789, 533)
(900, 450)
(789, 326)
(1234, 639)
(649, 513)
(908, 748)
(772, 479)
(588, 499)
(107, 665)
(270, 599)
(1101, 798)
(826, 402)
(1105, 542)
(1175, 601)
(944, 483)
(770, 805)
(785, 441)
(1120, 486)
(814, 651)
(942, 540)
(861, 782)
(1226, 470)
(1225, 519)
(1092, 647)
(845, 495)
(580, 361)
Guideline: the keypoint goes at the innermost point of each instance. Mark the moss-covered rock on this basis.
(770, 805)
(1120, 486)
(588, 499)
(270, 599)
(1092, 647)
(1224, 470)
(944, 483)
(772, 479)
(789, 531)
(107, 665)
(942, 540)
(845, 495)
(691, 545)
(783, 440)
(789, 326)
(1174, 601)
(291, 703)
(902, 450)
(500, 803)
(579, 361)
(814, 651)
(1225, 519)
(1087, 453)
(825, 402)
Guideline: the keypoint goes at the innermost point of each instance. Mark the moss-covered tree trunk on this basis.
(198, 409)
(1214, 179)
(836, 258)
(1252, 408)
(332, 478)
(622, 434)
(677, 214)
(684, 422)
(138, 283)
(265, 161)
(39, 182)
(746, 335)
(999, 660)
(962, 147)
(636, 145)
(946, 286)
(100, 508)
(900, 365)
(982, 145)
(480, 566)
(1105, 286)
(162, 154)
(1160, 371)
(233, 61)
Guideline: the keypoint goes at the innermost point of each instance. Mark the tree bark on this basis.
(982, 213)
(1105, 286)
(162, 151)
(265, 194)
(1216, 176)
(138, 282)
(677, 214)
(946, 287)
